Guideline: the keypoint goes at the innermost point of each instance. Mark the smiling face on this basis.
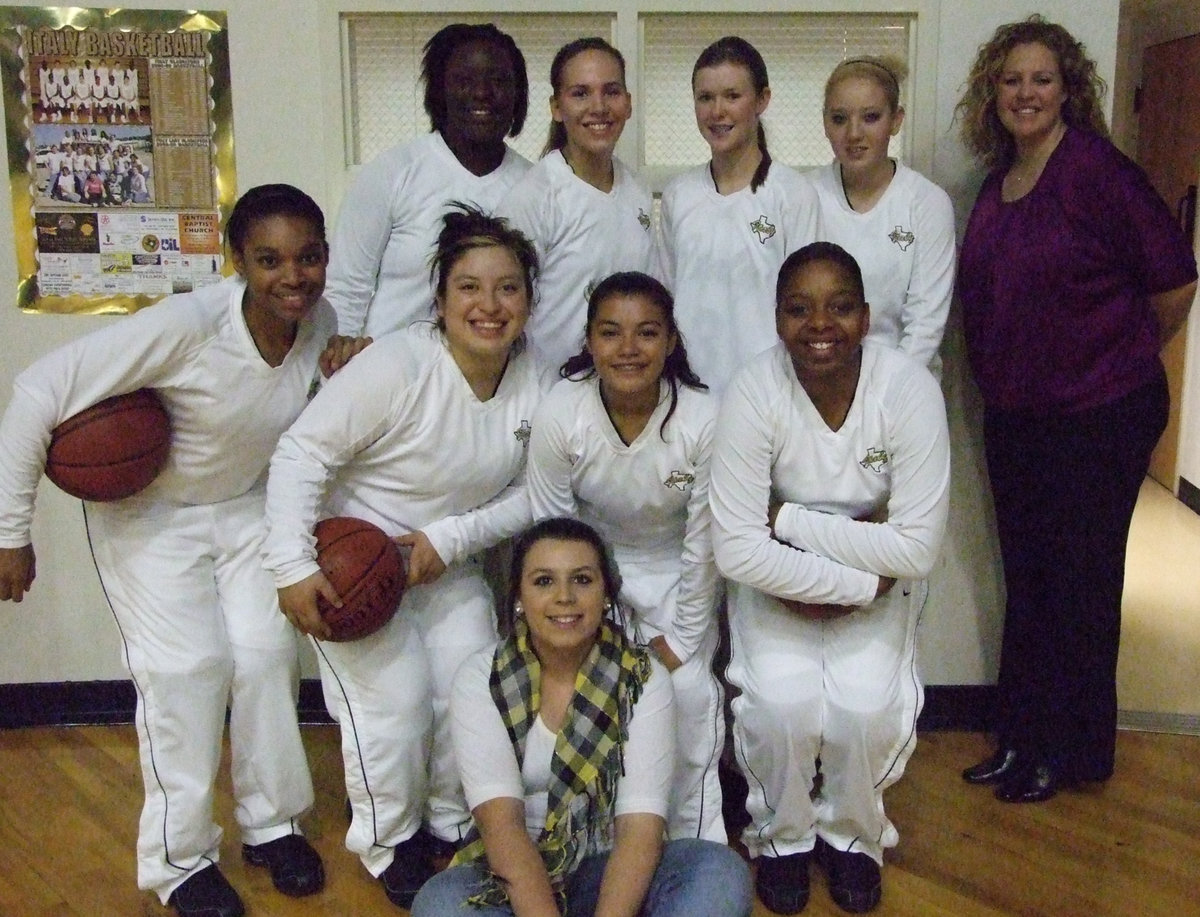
(484, 305)
(728, 107)
(629, 340)
(481, 95)
(859, 123)
(562, 596)
(283, 261)
(822, 319)
(592, 103)
(1030, 93)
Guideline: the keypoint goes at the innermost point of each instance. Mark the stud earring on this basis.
(517, 609)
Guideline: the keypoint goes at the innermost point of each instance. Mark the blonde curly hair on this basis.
(982, 132)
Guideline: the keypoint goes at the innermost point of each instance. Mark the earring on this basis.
(517, 609)
(608, 607)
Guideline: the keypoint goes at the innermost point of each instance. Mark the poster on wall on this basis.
(120, 153)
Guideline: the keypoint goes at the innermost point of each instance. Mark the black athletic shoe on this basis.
(206, 893)
(295, 867)
(781, 883)
(855, 883)
(437, 848)
(410, 868)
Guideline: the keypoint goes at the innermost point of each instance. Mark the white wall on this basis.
(63, 630)
(286, 129)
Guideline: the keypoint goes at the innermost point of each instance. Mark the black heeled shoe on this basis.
(993, 768)
(1029, 783)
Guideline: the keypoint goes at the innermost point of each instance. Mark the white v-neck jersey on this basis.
(398, 438)
(720, 256)
(388, 226)
(228, 407)
(582, 235)
(647, 499)
(904, 246)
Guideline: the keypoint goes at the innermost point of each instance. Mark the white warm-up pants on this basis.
(843, 691)
(700, 736)
(695, 807)
(201, 630)
(390, 693)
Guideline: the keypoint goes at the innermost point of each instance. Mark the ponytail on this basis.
(760, 174)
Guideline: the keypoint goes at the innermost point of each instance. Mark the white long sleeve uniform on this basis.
(649, 501)
(180, 562)
(844, 690)
(720, 256)
(388, 226)
(904, 246)
(399, 438)
(582, 235)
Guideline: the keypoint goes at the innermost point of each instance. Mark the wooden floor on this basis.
(69, 800)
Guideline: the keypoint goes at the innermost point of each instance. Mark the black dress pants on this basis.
(1065, 487)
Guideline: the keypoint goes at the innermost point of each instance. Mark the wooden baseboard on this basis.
(98, 703)
(962, 707)
(1149, 721)
(1189, 495)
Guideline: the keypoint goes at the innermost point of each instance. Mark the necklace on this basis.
(1022, 173)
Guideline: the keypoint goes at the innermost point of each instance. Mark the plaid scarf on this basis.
(588, 752)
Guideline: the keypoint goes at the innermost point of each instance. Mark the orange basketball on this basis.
(366, 569)
(111, 450)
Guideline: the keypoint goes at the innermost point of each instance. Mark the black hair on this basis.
(819, 251)
(557, 137)
(436, 58)
(676, 370)
(558, 528)
(268, 201)
(734, 50)
(465, 228)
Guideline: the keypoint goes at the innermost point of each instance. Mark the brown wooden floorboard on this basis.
(69, 800)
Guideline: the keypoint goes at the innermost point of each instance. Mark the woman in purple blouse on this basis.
(1072, 277)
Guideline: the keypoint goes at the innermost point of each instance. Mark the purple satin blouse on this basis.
(1055, 286)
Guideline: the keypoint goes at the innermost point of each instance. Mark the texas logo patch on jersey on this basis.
(763, 228)
(875, 459)
(902, 237)
(680, 480)
(644, 219)
(522, 433)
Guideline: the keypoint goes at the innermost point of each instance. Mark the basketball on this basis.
(111, 450)
(366, 569)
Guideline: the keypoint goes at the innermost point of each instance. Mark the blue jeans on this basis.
(695, 878)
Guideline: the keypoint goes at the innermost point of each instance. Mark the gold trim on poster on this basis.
(118, 250)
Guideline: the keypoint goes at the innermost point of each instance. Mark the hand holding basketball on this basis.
(425, 565)
(18, 568)
(365, 576)
(298, 602)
